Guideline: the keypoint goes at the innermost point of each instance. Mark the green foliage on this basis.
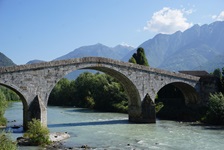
(38, 134)
(9, 94)
(159, 106)
(98, 91)
(215, 113)
(217, 73)
(139, 57)
(6, 143)
(62, 94)
(132, 60)
(220, 74)
(3, 105)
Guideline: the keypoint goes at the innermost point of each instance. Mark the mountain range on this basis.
(98, 50)
(5, 61)
(197, 48)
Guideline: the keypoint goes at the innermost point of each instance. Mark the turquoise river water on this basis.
(113, 131)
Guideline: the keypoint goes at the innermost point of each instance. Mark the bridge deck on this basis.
(76, 61)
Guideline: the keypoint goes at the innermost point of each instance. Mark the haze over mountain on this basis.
(197, 48)
(34, 61)
(5, 61)
(98, 50)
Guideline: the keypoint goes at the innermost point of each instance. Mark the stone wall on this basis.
(34, 82)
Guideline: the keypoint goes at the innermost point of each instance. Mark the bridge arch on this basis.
(190, 95)
(22, 98)
(177, 101)
(134, 99)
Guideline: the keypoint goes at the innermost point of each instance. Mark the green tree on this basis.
(62, 94)
(37, 134)
(98, 91)
(132, 60)
(139, 57)
(215, 113)
(3, 105)
(217, 73)
(223, 72)
(9, 94)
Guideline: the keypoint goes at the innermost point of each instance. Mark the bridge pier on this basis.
(144, 114)
(36, 110)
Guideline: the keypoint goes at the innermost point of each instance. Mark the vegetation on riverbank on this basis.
(37, 134)
(6, 95)
(3, 105)
(96, 91)
(6, 142)
(215, 111)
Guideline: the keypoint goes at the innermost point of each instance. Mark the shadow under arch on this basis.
(22, 98)
(134, 100)
(177, 101)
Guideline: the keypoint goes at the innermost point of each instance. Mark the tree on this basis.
(139, 57)
(3, 105)
(223, 72)
(37, 134)
(215, 113)
(217, 73)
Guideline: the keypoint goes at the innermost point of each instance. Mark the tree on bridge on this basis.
(139, 57)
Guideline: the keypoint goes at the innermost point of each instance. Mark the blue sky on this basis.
(47, 29)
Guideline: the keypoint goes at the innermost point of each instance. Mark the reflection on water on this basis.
(113, 131)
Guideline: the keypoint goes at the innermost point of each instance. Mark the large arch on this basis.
(134, 99)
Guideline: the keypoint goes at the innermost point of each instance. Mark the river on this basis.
(113, 131)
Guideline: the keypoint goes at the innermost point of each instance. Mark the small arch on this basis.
(22, 98)
(177, 101)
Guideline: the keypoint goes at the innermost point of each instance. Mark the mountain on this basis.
(5, 61)
(35, 61)
(98, 50)
(199, 47)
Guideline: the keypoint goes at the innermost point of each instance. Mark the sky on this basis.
(48, 29)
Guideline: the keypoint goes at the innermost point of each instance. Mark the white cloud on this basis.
(168, 21)
(220, 17)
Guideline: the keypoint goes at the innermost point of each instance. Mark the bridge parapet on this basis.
(76, 61)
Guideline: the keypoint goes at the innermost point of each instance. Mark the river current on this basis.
(113, 131)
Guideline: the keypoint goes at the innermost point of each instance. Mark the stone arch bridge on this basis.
(34, 83)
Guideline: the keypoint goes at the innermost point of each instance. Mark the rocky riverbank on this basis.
(55, 138)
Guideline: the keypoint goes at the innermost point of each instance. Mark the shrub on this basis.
(215, 113)
(6, 143)
(38, 134)
(3, 105)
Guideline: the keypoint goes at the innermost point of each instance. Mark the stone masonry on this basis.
(34, 83)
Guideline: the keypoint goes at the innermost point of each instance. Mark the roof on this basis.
(198, 73)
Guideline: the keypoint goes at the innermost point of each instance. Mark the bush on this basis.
(6, 143)
(3, 105)
(215, 113)
(38, 134)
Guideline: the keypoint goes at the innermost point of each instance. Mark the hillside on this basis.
(199, 47)
(5, 61)
(98, 50)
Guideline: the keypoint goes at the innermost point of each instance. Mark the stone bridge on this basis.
(34, 83)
